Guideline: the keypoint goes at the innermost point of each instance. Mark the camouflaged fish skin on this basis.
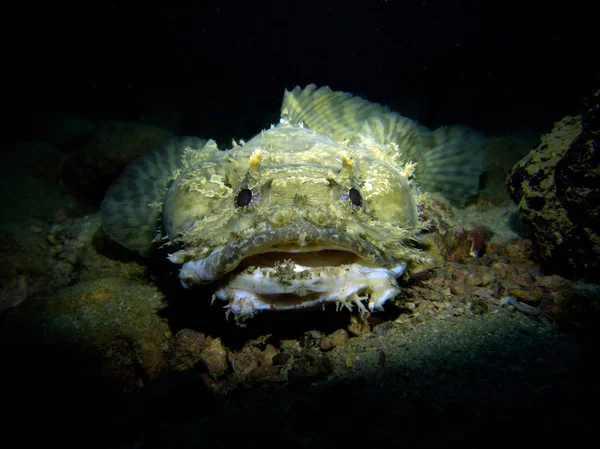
(320, 208)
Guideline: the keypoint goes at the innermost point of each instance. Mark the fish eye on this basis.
(354, 196)
(244, 197)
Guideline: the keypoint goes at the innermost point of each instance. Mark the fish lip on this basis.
(300, 236)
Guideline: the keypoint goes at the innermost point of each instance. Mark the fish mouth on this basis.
(297, 266)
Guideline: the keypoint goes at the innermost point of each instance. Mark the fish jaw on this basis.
(296, 267)
(345, 286)
(293, 286)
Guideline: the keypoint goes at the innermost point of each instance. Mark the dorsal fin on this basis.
(449, 159)
(327, 112)
(343, 116)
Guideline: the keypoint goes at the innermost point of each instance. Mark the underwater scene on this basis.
(301, 225)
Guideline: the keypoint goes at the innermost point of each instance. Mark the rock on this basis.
(254, 365)
(479, 306)
(214, 355)
(311, 339)
(480, 276)
(557, 189)
(357, 325)
(575, 307)
(115, 313)
(13, 286)
(529, 296)
(552, 283)
(338, 338)
(186, 349)
(309, 367)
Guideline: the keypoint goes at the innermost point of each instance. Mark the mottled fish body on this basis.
(320, 208)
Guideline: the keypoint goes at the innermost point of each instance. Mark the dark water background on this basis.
(500, 66)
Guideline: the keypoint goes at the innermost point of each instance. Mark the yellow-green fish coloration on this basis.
(320, 208)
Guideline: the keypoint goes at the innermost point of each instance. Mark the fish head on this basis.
(293, 219)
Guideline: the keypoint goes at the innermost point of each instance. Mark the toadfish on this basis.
(320, 208)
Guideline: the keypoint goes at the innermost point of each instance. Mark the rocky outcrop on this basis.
(557, 188)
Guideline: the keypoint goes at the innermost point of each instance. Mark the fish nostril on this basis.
(300, 199)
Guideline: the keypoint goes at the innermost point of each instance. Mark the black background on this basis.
(500, 66)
